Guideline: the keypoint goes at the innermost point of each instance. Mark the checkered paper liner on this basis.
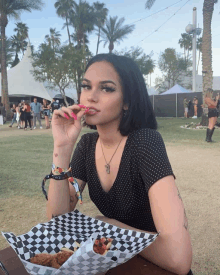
(64, 231)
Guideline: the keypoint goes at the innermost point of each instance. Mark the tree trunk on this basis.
(64, 97)
(98, 41)
(5, 98)
(111, 47)
(208, 8)
(68, 31)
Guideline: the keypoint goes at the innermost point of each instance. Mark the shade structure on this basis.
(177, 89)
(21, 82)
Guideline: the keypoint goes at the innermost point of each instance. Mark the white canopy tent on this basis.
(21, 82)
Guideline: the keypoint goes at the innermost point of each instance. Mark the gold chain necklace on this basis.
(107, 166)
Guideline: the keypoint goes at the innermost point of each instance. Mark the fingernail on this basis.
(81, 106)
(66, 116)
(74, 116)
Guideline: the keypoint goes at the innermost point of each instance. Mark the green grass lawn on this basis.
(26, 157)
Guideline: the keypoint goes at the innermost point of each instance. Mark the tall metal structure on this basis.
(194, 31)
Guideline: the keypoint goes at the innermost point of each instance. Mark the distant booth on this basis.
(170, 103)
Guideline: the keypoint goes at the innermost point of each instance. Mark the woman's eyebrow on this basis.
(102, 82)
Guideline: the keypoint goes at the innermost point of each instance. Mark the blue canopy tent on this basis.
(177, 89)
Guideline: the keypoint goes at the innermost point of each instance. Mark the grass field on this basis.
(26, 157)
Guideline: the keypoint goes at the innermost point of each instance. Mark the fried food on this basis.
(102, 246)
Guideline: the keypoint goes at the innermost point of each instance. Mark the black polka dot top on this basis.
(144, 161)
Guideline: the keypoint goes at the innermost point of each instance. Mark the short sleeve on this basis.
(152, 157)
(78, 163)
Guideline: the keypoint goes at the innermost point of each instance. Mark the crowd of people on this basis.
(25, 114)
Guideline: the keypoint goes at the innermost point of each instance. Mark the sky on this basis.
(134, 12)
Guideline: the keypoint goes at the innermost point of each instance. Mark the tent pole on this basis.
(153, 102)
(176, 104)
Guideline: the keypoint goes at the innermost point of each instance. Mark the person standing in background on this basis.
(27, 115)
(55, 105)
(18, 115)
(212, 113)
(36, 109)
(22, 119)
(3, 112)
(195, 103)
(186, 109)
(46, 110)
(13, 109)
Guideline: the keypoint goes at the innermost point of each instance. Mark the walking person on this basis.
(124, 163)
(212, 113)
(13, 109)
(3, 112)
(46, 110)
(195, 103)
(186, 107)
(27, 115)
(36, 109)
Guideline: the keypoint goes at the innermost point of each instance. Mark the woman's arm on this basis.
(172, 249)
(62, 197)
(210, 102)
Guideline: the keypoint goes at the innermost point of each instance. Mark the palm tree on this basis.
(16, 45)
(11, 9)
(63, 9)
(82, 19)
(199, 48)
(208, 8)
(53, 39)
(114, 31)
(100, 14)
(9, 52)
(22, 34)
(186, 43)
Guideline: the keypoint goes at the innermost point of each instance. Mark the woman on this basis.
(18, 115)
(212, 113)
(22, 118)
(13, 109)
(27, 115)
(46, 110)
(124, 163)
(195, 103)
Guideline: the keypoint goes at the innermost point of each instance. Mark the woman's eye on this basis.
(108, 89)
(84, 86)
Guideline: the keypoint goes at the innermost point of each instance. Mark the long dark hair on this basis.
(140, 112)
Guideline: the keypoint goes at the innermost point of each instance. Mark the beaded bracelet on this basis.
(58, 173)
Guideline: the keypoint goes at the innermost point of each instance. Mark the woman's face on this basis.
(102, 90)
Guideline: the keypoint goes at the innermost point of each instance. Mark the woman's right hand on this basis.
(65, 128)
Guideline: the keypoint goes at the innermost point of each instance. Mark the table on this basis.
(136, 266)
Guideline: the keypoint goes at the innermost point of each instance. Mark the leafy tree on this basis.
(100, 15)
(173, 68)
(114, 31)
(53, 39)
(144, 61)
(11, 9)
(64, 9)
(61, 68)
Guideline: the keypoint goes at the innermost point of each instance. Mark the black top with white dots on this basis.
(144, 161)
